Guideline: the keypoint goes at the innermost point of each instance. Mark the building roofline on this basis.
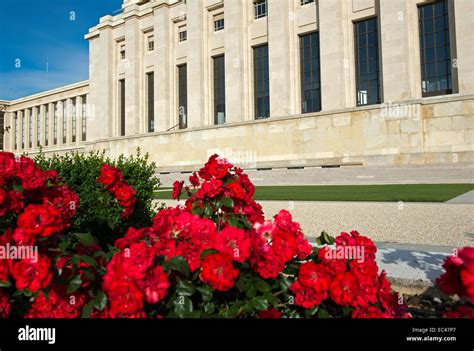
(49, 92)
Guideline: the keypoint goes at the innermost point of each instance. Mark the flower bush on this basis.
(216, 256)
(115, 194)
(459, 280)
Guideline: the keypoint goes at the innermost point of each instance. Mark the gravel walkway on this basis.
(410, 223)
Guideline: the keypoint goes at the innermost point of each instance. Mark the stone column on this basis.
(51, 124)
(463, 15)
(237, 79)
(281, 53)
(79, 113)
(335, 63)
(164, 69)
(68, 121)
(102, 85)
(197, 66)
(398, 62)
(133, 77)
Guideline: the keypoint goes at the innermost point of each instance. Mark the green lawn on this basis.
(392, 192)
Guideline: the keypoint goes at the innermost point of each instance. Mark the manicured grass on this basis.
(392, 192)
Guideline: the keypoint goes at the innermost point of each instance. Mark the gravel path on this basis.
(412, 223)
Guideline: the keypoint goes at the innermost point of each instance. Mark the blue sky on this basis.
(42, 45)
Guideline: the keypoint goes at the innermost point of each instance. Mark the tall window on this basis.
(23, 130)
(38, 126)
(310, 77)
(74, 120)
(260, 8)
(435, 49)
(84, 118)
(122, 51)
(15, 117)
(122, 106)
(219, 89)
(2, 126)
(55, 123)
(261, 82)
(182, 96)
(30, 128)
(218, 22)
(150, 43)
(46, 125)
(182, 34)
(367, 62)
(150, 78)
(65, 115)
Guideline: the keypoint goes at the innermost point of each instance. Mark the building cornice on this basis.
(46, 93)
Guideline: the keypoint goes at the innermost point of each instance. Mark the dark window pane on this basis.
(310, 91)
(435, 50)
(261, 82)
(366, 57)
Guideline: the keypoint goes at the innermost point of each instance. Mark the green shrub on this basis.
(99, 212)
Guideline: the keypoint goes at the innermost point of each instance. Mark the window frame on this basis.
(303, 83)
(266, 81)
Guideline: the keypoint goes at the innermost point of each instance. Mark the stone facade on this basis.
(405, 128)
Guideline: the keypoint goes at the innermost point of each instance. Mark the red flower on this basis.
(344, 289)
(218, 271)
(4, 304)
(194, 180)
(459, 276)
(177, 188)
(32, 275)
(269, 313)
(307, 297)
(215, 168)
(210, 189)
(57, 304)
(234, 242)
(109, 175)
(7, 164)
(368, 312)
(314, 276)
(155, 285)
(125, 299)
(41, 220)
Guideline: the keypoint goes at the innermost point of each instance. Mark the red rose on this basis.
(137, 259)
(218, 271)
(155, 285)
(368, 312)
(210, 189)
(307, 297)
(125, 299)
(344, 289)
(32, 275)
(125, 195)
(269, 313)
(177, 188)
(34, 180)
(236, 191)
(57, 304)
(234, 242)
(41, 220)
(314, 276)
(4, 305)
(194, 180)
(109, 175)
(285, 245)
(215, 167)
(7, 164)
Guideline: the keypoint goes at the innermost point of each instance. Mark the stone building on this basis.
(268, 83)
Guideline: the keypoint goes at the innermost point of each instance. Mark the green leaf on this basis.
(178, 263)
(259, 303)
(100, 301)
(89, 260)
(285, 282)
(327, 238)
(234, 221)
(323, 313)
(206, 252)
(185, 288)
(228, 202)
(206, 292)
(75, 260)
(347, 310)
(182, 306)
(262, 286)
(4, 284)
(311, 311)
(85, 239)
(87, 310)
(250, 290)
(74, 284)
(209, 308)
